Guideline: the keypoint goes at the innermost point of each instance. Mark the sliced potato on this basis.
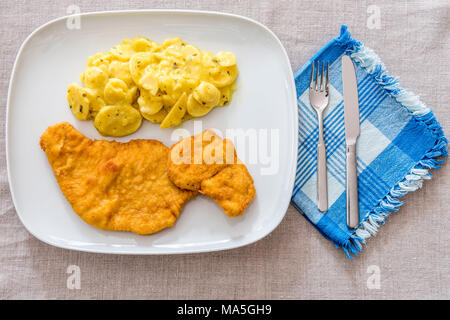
(157, 117)
(207, 94)
(174, 53)
(190, 50)
(100, 60)
(225, 95)
(191, 53)
(94, 77)
(189, 83)
(118, 120)
(168, 101)
(140, 44)
(223, 77)
(149, 105)
(208, 59)
(176, 114)
(226, 59)
(115, 91)
(174, 42)
(167, 83)
(96, 101)
(122, 52)
(138, 63)
(132, 95)
(78, 101)
(120, 70)
(149, 81)
(195, 108)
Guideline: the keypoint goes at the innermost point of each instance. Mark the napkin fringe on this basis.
(370, 61)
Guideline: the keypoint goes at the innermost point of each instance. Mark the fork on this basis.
(319, 98)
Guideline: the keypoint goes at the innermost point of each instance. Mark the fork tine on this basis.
(317, 76)
(322, 85)
(312, 75)
(328, 71)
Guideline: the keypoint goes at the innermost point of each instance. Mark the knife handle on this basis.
(352, 188)
(322, 192)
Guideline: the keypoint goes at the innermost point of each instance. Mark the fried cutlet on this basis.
(232, 189)
(113, 185)
(197, 158)
(209, 164)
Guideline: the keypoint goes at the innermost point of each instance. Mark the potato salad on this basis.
(139, 78)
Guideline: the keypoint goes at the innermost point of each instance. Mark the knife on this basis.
(351, 118)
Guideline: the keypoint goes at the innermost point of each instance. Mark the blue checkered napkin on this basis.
(400, 141)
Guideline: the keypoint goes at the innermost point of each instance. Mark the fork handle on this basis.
(322, 203)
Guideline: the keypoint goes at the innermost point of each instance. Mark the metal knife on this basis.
(351, 118)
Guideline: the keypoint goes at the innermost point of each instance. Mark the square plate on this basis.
(54, 55)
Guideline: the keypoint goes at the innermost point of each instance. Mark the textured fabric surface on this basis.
(400, 140)
(411, 252)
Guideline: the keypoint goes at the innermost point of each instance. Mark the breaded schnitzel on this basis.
(113, 185)
(197, 158)
(232, 189)
(209, 164)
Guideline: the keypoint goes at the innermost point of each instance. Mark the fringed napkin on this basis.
(400, 142)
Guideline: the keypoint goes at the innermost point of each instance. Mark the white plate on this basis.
(54, 55)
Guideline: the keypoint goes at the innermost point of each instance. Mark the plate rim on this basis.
(284, 204)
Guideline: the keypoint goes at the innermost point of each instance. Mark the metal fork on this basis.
(319, 98)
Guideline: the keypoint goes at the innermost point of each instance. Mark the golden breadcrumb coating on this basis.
(199, 157)
(113, 185)
(209, 164)
(232, 188)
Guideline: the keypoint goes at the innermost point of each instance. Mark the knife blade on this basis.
(352, 130)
